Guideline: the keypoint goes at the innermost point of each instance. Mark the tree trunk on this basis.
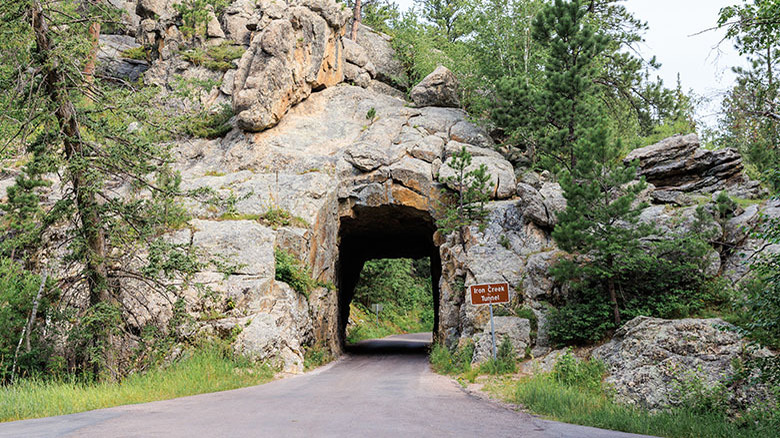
(613, 299)
(91, 227)
(94, 36)
(356, 18)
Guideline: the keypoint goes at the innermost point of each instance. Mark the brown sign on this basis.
(494, 293)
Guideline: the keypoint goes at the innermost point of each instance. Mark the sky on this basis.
(679, 39)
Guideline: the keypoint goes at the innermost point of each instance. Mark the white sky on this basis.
(671, 37)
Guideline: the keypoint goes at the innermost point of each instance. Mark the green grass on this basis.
(208, 370)
(571, 404)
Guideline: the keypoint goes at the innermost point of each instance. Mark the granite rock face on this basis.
(290, 57)
(647, 355)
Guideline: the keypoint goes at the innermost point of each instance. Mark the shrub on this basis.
(293, 272)
(667, 280)
(315, 356)
(210, 124)
(443, 361)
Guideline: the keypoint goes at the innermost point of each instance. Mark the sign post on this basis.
(376, 308)
(492, 293)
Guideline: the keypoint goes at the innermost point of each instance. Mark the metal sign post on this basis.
(492, 331)
(493, 293)
(376, 308)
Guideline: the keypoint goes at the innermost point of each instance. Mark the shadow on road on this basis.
(416, 344)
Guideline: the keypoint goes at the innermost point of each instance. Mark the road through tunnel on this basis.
(382, 232)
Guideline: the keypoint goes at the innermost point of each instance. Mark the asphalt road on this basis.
(383, 388)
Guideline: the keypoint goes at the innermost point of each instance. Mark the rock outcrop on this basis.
(292, 55)
(679, 165)
(440, 88)
(389, 69)
(647, 355)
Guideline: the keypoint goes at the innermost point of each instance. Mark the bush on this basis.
(210, 124)
(587, 375)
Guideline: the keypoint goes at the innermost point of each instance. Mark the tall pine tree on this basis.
(552, 118)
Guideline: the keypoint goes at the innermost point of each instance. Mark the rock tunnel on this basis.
(379, 232)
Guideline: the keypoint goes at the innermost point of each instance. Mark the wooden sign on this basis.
(493, 293)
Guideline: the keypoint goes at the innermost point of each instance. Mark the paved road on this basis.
(383, 388)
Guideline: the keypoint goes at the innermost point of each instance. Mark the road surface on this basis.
(382, 388)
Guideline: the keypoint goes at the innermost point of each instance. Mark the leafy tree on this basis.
(751, 116)
(445, 15)
(552, 117)
(599, 224)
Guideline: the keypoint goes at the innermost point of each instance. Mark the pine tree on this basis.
(552, 117)
(75, 124)
(599, 223)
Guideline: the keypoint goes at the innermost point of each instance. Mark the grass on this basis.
(207, 370)
(542, 394)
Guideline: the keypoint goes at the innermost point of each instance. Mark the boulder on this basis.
(542, 206)
(518, 330)
(440, 88)
(288, 59)
(502, 183)
(679, 164)
(648, 355)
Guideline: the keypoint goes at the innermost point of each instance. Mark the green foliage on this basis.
(750, 121)
(565, 104)
(574, 393)
(316, 356)
(666, 280)
(295, 273)
(472, 191)
(403, 283)
(444, 361)
(211, 124)
(140, 53)
(278, 217)
(18, 289)
(391, 321)
(216, 58)
(505, 361)
(403, 287)
(759, 307)
(371, 114)
(195, 15)
(575, 373)
(600, 220)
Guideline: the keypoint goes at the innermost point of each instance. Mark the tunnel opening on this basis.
(383, 232)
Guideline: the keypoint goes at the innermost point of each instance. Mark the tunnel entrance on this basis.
(383, 232)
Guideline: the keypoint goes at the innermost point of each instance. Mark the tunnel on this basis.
(382, 232)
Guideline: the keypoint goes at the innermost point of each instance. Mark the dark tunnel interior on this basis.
(383, 232)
